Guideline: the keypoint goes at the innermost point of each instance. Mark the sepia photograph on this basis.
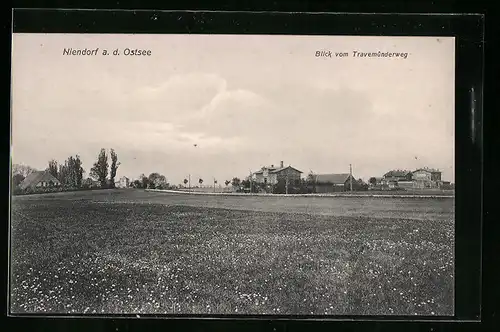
(212, 174)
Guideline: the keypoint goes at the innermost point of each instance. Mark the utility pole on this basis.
(215, 182)
(189, 177)
(350, 176)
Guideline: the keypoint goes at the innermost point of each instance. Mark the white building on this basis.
(123, 182)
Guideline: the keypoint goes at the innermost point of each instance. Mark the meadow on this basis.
(139, 252)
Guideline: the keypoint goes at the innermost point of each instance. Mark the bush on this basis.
(17, 191)
(42, 190)
(299, 188)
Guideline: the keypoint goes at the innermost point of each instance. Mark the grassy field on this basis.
(131, 251)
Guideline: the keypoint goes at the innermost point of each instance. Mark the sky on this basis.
(221, 106)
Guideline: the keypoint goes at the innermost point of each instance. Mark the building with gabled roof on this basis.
(325, 183)
(271, 174)
(398, 175)
(426, 177)
(39, 179)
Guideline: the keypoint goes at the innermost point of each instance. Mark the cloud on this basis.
(180, 95)
(285, 117)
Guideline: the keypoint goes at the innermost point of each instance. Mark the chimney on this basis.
(281, 164)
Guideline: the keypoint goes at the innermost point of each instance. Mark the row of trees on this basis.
(153, 181)
(200, 181)
(71, 173)
(235, 182)
(101, 168)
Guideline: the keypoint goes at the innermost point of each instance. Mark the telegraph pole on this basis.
(189, 177)
(350, 176)
(215, 181)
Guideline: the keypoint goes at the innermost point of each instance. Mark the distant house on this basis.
(397, 179)
(39, 179)
(427, 178)
(271, 174)
(123, 182)
(325, 183)
(398, 175)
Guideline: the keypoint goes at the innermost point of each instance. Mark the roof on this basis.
(268, 168)
(397, 173)
(430, 170)
(275, 169)
(332, 178)
(36, 177)
(283, 168)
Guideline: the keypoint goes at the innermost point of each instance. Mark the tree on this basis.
(227, 182)
(100, 169)
(157, 181)
(185, 182)
(144, 181)
(78, 170)
(372, 181)
(62, 173)
(70, 174)
(236, 182)
(200, 181)
(245, 183)
(251, 185)
(281, 186)
(17, 179)
(362, 185)
(311, 177)
(22, 169)
(75, 171)
(114, 167)
(71, 179)
(53, 168)
(311, 181)
(304, 187)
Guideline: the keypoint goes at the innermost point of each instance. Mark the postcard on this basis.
(199, 174)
